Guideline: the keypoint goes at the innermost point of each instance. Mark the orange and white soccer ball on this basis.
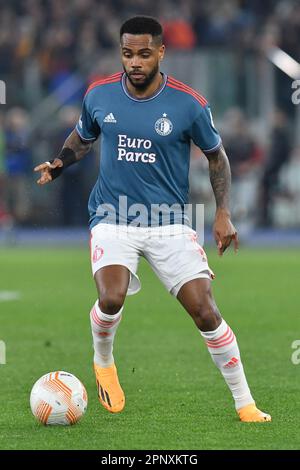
(58, 398)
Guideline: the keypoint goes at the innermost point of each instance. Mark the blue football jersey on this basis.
(145, 149)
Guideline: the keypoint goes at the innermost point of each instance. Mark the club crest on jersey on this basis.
(163, 126)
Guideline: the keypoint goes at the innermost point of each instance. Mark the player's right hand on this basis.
(45, 169)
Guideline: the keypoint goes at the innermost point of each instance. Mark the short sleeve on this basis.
(203, 132)
(87, 128)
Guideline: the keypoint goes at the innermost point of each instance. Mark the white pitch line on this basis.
(6, 295)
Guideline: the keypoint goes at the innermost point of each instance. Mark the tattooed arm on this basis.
(220, 178)
(74, 148)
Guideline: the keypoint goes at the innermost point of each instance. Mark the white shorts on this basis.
(172, 251)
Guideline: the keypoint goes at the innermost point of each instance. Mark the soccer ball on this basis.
(58, 398)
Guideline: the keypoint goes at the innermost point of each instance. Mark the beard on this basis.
(147, 80)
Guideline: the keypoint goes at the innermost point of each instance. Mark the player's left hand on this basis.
(224, 232)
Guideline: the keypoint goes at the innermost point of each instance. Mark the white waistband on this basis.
(173, 229)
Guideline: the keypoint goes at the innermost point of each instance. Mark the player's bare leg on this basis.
(197, 299)
(112, 284)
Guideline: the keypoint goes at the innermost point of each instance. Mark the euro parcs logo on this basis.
(2, 92)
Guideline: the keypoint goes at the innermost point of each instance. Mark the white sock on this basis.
(225, 353)
(104, 328)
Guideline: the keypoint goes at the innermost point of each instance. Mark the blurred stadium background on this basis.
(51, 50)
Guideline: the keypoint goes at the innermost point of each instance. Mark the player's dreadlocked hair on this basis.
(143, 25)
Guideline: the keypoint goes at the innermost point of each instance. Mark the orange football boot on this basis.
(110, 393)
(251, 414)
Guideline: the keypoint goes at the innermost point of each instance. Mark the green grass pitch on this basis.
(175, 397)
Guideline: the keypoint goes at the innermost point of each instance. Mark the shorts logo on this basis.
(194, 238)
(97, 254)
(163, 126)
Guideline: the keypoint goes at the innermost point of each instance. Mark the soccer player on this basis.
(146, 121)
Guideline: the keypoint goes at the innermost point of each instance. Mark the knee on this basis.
(206, 315)
(111, 302)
